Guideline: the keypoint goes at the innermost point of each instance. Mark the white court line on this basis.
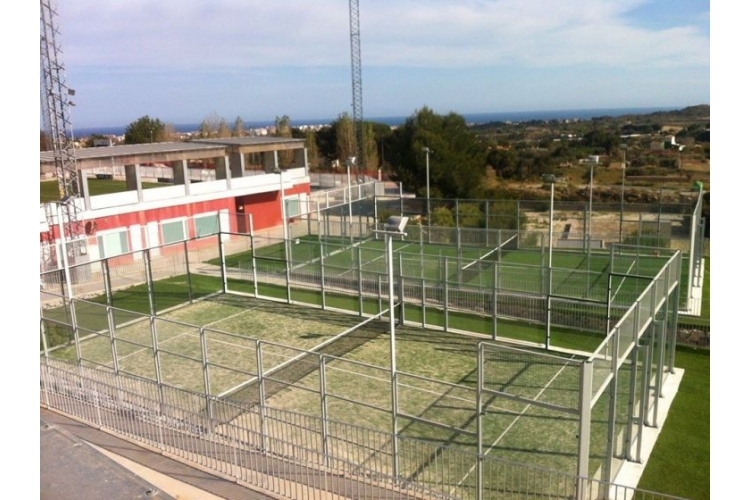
(622, 282)
(365, 264)
(541, 391)
(181, 334)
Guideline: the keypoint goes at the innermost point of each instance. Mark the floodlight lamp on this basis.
(426, 149)
(352, 160)
(396, 224)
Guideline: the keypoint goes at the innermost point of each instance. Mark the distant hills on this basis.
(698, 113)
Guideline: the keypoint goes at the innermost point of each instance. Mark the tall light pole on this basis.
(624, 148)
(551, 221)
(548, 335)
(350, 162)
(588, 237)
(591, 203)
(427, 162)
(393, 227)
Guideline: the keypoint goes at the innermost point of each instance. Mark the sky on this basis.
(184, 61)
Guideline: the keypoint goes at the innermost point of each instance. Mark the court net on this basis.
(293, 370)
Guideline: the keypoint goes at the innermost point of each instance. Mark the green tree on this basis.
(325, 140)
(345, 138)
(370, 147)
(457, 158)
(238, 130)
(283, 126)
(144, 130)
(469, 215)
(442, 217)
(503, 213)
(284, 129)
(313, 158)
(504, 161)
(213, 126)
(381, 134)
(223, 129)
(599, 139)
(338, 142)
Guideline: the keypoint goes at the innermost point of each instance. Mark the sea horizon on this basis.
(471, 118)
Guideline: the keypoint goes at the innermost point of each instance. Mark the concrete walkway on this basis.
(631, 472)
(79, 462)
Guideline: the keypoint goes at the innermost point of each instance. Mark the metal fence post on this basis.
(401, 304)
(187, 268)
(323, 409)
(322, 274)
(495, 286)
(424, 303)
(584, 426)
(112, 339)
(480, 418)
(149, 282)
(360, 289)
(401, 199)
(206, 374)
(107, 281)
(261, 396)
(632, 419)
(612, 411)
(445, 294)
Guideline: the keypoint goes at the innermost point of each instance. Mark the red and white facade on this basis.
(234, 183)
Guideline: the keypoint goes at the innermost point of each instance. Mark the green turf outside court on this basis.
(49, 191)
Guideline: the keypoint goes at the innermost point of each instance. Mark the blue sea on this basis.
(471, 118)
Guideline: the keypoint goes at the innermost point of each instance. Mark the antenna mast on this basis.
(357, 84)
(55, 108)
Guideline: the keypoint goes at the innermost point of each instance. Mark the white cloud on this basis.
(192, 34)
(177, 59)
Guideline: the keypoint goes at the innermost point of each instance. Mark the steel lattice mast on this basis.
(55, 108)
(357, 84)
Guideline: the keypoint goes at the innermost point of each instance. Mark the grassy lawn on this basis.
(680, 462)
(706, 302)
(48, 190)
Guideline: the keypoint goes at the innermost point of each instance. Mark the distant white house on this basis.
(102, 142)
(672, 144)
(590, 160)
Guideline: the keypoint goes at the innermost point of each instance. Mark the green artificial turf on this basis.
(706, 302)
(49, 191)
(680, 462)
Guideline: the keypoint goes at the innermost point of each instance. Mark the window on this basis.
(206, 224)
(113, 243)
(292, 207)
(173, 231)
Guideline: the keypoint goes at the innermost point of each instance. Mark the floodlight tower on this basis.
(55, 108)
(357, 84)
